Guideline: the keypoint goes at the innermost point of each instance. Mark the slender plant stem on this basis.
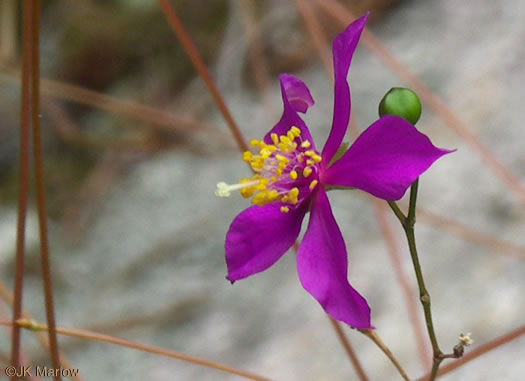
(7, 297)
(424, 296)
(94, 336)
(397, 211)
(408, 224)
(40, 188)
(349, 350)
(372, 335)
(23, 176)
(403, 280)
(197, 62)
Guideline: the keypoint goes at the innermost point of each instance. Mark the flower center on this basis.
(286, 171)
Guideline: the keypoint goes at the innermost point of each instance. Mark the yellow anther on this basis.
(317, 158)
(275, 138)
(285, 209)
(307, 171)
(272, 195)
(266, 152)
(310, 162)
(306, 144)
(257, 163)
(283, 161)
(247, 192)
(259, 199)
(293, 175)
(290, 135)
(295, 131)
(285, 140)
(247, 156)
(292, 194)
(309, 153)
(313, 184)
(278, 172)
(254, 142)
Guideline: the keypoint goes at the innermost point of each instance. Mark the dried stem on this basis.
(40, 336)
(256, 56)
(377, 341)
(197, 62)
(93, 336)
(40, 188)
(314, 28)
(349, 350)
(153, 117)
(8, 31)
(23, 177)
(467, 233)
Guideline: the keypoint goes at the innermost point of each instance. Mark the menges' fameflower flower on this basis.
(290, 179)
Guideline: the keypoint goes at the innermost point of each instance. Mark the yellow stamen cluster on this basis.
(277, 166)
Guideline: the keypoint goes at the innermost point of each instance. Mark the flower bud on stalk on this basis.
(402, 102)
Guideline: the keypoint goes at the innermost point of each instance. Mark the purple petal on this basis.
(322, 267)
(342, 49)
(297, 93)
(296, 97)
(259, 236)
(385, 159)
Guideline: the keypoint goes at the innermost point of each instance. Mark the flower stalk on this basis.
(408, 222)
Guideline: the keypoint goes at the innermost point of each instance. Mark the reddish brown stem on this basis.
(40, 336)
(256, 56)
(40, 187)
(94, 336)
(318, 38)
(195, 58)
(23, 176)
(348, 349)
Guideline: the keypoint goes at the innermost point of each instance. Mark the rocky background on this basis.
(137, 234)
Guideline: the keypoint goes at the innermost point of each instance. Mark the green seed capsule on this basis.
(401, 102)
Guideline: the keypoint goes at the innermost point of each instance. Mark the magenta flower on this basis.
(290, 180)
